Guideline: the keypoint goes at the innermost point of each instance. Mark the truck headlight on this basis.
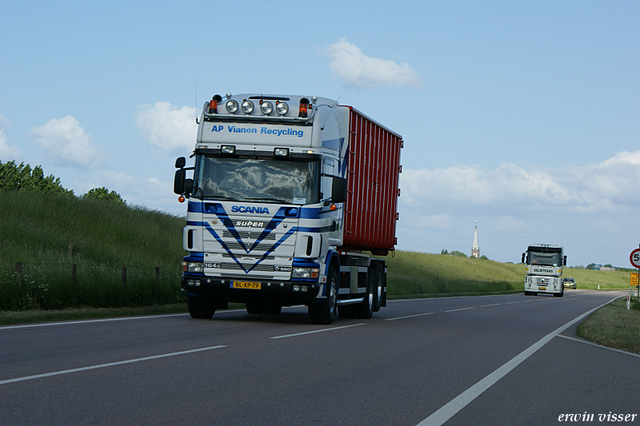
(308, 273)
(196, 267)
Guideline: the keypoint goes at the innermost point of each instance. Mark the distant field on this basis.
(48, 234)
(422, 274)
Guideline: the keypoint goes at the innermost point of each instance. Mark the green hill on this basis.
(47, 234)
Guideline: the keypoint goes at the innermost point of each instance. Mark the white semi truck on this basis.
(544, 264)
(290, 201)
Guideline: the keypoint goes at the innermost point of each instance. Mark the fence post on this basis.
(71, 249)
(124, 276)
(73, 272)
(19, 273)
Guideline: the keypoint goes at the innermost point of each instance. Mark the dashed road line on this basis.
(317, 331)
(410, 316)
(460, 309)
(109, 364)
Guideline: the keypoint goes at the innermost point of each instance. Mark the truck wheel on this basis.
(559, 294)
(200, 307)
(325, 311)
(378, 273)
(365, 309)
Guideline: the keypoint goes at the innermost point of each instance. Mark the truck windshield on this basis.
(548, 259)
(257, 179)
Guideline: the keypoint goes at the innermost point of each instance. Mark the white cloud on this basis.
(66, 143)
(603, 187)
(7, 152)
(168, 127)
(354, 68)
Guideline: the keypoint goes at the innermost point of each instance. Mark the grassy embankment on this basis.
(36, 229)
(614, 326)
(49, 234)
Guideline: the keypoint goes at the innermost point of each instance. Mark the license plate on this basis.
(246, 285)
(542, 288)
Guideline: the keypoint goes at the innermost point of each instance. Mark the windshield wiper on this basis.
(220, 197)
(275, 200)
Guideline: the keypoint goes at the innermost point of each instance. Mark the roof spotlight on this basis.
(247, 106)
(266, 107)
(232, 106)
(282, 108)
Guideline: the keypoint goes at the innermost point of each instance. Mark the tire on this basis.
(559, 294)
(365, 309)
(200, 307)
(325, 311)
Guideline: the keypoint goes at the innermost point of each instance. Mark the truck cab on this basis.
(544, 265)
(288, 198)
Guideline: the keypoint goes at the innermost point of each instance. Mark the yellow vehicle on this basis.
(569, 283)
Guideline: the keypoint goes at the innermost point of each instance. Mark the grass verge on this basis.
(613, 326)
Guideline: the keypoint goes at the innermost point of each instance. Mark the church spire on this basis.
(475, 250)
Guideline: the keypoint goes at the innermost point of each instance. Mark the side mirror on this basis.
(564, 261)
(339, 190)
(179, 182)
(188, 186)
(180, 162)
(522, 261)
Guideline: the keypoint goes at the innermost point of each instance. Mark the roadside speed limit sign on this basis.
(634, 258)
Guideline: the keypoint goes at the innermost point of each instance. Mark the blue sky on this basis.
(524, 116)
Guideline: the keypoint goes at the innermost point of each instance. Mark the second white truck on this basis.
(544, 264)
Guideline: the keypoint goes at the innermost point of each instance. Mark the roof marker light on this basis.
(213, 104)
(304, 105)
(227, 149)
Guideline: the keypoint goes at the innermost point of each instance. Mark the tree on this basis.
(23, 178)
(103, 194)
(458, 253)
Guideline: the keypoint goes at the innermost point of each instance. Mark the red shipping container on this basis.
(373, 169)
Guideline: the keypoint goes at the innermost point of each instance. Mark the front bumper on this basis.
(286, 293)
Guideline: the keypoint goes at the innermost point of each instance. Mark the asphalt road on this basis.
(491, 360)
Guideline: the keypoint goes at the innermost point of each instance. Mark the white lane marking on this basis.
(528, 301)
(599, 346)
(460, 309)
(511, 303)
(316, 331)
(410, 316)
(109, 364)
(492, 304)
(72, 322)
(458, 403)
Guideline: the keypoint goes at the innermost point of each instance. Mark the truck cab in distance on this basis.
(544, 264)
